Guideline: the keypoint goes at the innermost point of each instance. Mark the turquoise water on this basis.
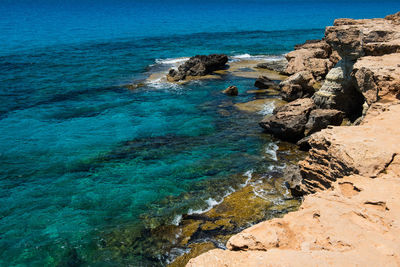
(81, 155)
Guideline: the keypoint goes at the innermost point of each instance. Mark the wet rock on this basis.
(288, 122)
(231, 90)
(320, 119)
(199, 65)
(264, 82)
(297, 86)
(276, 65)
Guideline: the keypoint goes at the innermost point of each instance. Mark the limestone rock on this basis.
(297, 86)
(348, 84)
(313, 56)
(231, 90)
(378, 77)
(339, 91)
(199, 65)
(288, 121)
(341, 151)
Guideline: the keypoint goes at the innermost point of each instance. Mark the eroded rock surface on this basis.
(298, 85)
(315, 56)
(369, 49)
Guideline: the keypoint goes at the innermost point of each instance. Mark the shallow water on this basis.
(82, 156)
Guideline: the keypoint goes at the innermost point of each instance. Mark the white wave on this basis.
(271, 150)
(265, 58)
(211, 203)
(162, 83)
(249, 175)
(177, 219)
(171, 61)
(267, 109)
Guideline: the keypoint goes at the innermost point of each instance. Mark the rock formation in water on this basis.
(351, 177)
(199, 65)
(231, 90)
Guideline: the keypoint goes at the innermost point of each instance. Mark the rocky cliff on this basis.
(351, 177)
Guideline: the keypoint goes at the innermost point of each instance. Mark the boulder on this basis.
(298, 85)
(320, 119)
(199, 65)
(231, 90)
(288, 121)
(264, 82)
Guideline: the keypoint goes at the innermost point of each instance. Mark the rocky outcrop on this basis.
(315, 56)
(231, 90)
(288, 121)
(299, 118)
(199, 65)
(351, 176)
(366, 48)
(298, 85)
(365, 149)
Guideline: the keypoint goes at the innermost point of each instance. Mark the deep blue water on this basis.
(81, 155)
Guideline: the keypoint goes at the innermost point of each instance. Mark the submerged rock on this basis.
(264, 82)
(231, 90)
(276, 65)
(199, 65)
(288, 122)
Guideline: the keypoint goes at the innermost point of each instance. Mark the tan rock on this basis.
(313, 56)
(378, 77)
(365, 149)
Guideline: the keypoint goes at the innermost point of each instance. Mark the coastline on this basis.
(350, 178)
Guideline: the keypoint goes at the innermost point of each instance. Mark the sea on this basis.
(82, 154)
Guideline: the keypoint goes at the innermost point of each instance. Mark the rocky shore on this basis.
(345, 92)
